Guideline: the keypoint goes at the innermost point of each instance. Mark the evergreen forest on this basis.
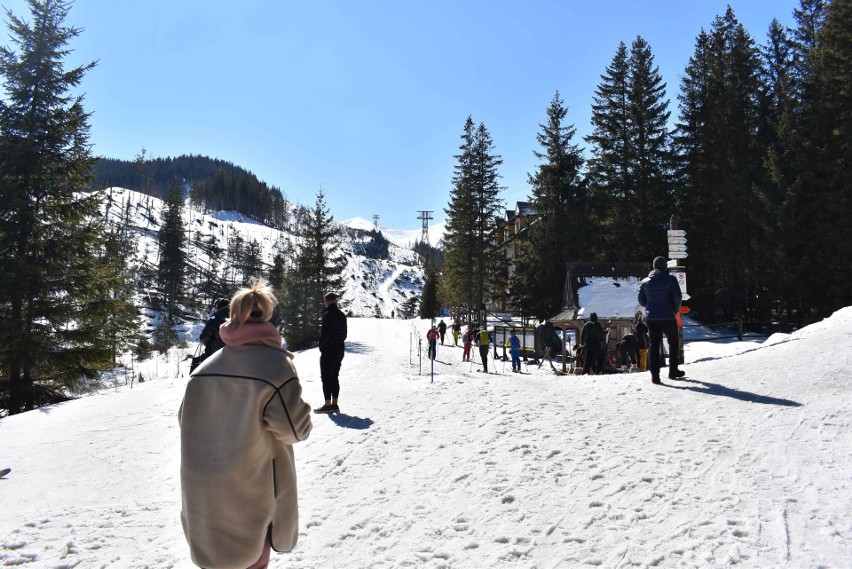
(753, 163)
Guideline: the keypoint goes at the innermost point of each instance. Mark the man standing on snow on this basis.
(592, 338)
(660, 294)
(331, 348)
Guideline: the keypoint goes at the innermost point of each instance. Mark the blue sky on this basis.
(365, 98)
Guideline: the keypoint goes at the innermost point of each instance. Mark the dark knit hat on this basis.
(660, 263)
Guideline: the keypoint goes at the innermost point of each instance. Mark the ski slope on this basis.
(747, 463)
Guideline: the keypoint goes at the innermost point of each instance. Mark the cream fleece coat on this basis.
(241, 414)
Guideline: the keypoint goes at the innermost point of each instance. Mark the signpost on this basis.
(677, 250)
(677, 243)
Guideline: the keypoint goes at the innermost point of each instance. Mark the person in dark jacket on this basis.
(209, 337)
(592, 338)
(210, 334)
(442, 330)
(331, 346)
(659, 294)
(627, 351)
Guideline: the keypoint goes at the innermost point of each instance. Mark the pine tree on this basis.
(721, 165)
(818, 202)
(60, 282)
(469, 265)
(561, 230)
(610, 184)
(651, 169)
(630, 172)
(779, 112)
(318, 270)
(172, 242)
(429, 296)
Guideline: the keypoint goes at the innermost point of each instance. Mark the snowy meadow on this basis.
(746, 463)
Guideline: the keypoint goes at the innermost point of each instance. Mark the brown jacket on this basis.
(241, 414)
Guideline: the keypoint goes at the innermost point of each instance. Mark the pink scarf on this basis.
(250, 333)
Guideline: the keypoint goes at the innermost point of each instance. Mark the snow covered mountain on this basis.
(374, 287)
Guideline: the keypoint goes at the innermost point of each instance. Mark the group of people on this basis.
(472, 336)
(241, 413)
(660, 296)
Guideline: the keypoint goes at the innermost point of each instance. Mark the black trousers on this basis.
(329, 372)
(656, 329)
(593, 357)
(483, 354)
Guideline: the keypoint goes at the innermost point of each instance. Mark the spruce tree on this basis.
(610, 183)
(318, 270)
(429, 297)
(60, 282)
(561, 231)
(651, 169)
(777, 131)
(818, 202)
(721, 165)
(470, 267)
(457, 286)
(172, 242)
(630, 172)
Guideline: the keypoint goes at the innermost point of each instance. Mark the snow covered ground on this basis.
(747, 463)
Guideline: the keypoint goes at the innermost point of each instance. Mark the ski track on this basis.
(533, 470)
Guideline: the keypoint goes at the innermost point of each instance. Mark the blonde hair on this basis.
(253, 304)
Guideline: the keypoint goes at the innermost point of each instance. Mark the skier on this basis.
(659, 294)
(432, 337)
(456, 333)
(442, 329)
(467, 340)
(484, 345)
(514, 345)
(592, 338)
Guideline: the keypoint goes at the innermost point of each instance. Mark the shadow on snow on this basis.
(721, 390)
(350, 422)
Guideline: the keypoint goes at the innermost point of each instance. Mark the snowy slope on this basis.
(373, 287)
(746, 464)
(404, 238)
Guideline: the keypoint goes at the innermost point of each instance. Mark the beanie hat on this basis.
(660, 263)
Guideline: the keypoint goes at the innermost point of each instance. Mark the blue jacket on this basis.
(660, 294)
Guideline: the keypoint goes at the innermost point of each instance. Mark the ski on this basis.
(4, 472)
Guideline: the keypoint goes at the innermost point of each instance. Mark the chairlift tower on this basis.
(425, 217)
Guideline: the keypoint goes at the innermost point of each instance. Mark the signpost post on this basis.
(677, 251)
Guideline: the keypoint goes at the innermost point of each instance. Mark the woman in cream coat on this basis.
(241, 414)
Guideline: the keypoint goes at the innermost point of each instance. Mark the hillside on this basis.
(744, 464)
(374, 287)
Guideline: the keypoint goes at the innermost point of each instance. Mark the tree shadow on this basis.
(721, 390)
(350, 422)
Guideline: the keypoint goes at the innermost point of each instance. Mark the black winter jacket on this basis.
(660, 294)
(210, 334)
(333, 332)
